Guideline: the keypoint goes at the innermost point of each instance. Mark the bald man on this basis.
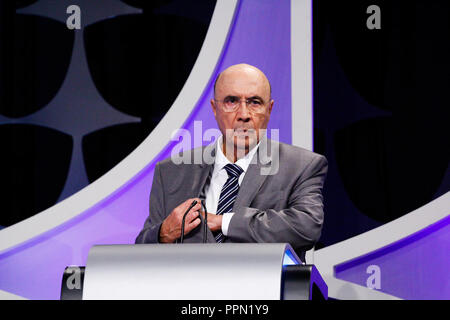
(255, 189)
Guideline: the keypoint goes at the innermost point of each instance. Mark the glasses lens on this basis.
(230, 103)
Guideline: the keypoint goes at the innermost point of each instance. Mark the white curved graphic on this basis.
(325, 259)
(128, 168)
(301, 74)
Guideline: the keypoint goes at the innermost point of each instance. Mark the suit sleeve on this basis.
(150, 231)
(300, 224)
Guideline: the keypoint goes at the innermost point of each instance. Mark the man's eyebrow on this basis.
(256, 97)
(231, 96)
(252, 98)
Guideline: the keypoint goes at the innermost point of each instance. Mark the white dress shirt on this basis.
(220, 176)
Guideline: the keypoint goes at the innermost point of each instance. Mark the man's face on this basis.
(242, 127)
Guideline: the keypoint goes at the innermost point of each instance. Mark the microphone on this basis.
(205, 223)
(184, 219)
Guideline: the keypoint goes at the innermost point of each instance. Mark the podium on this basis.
(226, 271)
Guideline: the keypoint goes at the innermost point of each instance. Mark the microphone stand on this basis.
(205, 223)
(184, 219)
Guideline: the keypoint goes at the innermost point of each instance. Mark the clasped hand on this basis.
(171, 226)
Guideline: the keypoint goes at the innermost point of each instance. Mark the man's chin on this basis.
(244, 143)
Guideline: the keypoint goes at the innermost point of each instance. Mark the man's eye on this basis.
(255, 102)
(230, 100)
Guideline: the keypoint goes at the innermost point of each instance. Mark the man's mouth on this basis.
(243, 130)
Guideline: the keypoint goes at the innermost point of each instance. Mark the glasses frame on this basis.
(247, 103)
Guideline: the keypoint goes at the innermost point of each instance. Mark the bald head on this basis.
(242, 69)
(242, 126)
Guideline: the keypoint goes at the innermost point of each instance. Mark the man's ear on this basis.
(270, 106)
(213, 106)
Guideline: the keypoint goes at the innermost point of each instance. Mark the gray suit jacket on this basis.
(282, 206)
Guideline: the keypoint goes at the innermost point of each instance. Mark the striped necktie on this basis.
(228, 194)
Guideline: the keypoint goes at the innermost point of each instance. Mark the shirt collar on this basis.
(221, 161)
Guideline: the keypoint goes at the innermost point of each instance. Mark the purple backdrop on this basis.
(413, 268)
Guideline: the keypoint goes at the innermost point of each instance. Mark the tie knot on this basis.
(233, 170)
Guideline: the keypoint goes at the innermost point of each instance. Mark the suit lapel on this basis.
(203, 171)
(253, 178)
(202, 176)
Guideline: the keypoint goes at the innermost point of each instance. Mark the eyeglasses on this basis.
(232, 103)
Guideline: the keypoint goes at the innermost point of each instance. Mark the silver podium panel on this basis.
(228, 271)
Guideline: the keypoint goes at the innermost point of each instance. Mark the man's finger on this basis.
(181, 209)
(192, 216)
(192, 225)
(188, 203)
(197, 207)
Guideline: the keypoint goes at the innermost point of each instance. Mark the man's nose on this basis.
(243, 111)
